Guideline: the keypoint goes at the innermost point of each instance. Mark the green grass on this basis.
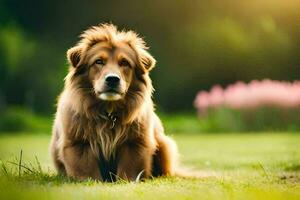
(246, 166)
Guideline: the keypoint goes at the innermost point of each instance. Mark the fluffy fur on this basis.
(85, 143)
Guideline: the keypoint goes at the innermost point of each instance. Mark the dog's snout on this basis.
(112, 80)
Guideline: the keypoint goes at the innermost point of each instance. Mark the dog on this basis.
(105, 127)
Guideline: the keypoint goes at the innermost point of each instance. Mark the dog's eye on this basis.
(124, 63)
(100, 62)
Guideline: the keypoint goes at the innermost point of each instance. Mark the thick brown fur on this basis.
(85, 144)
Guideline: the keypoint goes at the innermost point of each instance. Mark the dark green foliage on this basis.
(197, 44)
(260, 119)
(19, 119)
(230, 120)
(220, 120)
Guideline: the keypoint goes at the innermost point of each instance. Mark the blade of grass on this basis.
(20, 162)
(263, 169)
(21, 166)
(138, 178)
(4, 168)
(38, 164)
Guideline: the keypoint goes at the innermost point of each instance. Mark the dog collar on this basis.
(111, 118)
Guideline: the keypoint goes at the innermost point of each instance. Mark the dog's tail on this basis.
(169, 161)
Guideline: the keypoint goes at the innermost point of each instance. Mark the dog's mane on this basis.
(109, 33)
(86, 109)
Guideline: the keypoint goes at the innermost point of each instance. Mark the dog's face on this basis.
(110, 65)
(111, 70)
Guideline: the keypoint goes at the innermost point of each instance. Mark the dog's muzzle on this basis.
(112, 82)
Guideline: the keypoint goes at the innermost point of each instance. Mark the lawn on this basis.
(245, 166)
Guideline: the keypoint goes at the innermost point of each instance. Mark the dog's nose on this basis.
(112, 80)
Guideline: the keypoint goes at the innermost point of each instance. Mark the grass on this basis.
(246, 166)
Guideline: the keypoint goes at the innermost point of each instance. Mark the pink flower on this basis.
(249, 96)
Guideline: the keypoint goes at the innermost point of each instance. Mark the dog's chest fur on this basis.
(104, 140)
(103, 135)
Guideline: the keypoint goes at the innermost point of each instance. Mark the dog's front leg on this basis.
(80, 162)
(134, 161)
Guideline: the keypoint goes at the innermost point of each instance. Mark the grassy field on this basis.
(245, 166)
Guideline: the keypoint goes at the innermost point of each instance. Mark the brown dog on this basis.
(105, 125)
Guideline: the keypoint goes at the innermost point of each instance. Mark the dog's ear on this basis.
(74, 55)
(146, 61)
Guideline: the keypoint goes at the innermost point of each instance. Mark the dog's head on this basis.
(110, 60)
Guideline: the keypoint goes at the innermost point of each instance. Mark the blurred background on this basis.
(199, 45)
